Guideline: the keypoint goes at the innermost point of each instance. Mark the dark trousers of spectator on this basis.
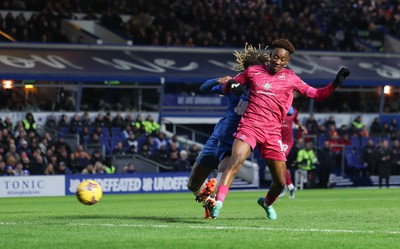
(386, 179)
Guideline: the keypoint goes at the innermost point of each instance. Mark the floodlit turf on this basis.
(342, 218)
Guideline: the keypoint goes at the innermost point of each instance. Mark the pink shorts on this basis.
(287, 147)
(268, 140)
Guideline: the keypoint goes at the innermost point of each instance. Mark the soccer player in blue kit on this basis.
(217, 150)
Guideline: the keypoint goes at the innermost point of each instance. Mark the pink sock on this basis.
(288, 178)
(222, 192)
(269, 198)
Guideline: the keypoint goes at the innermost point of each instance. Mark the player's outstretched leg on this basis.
(271, 214)
(208, 189)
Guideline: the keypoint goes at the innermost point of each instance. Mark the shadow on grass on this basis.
(131, 218)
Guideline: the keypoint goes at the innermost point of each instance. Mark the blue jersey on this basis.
(224, 129)
(226, 126)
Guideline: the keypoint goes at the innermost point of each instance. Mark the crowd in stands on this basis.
(316, 25)
(23, 150)
(366, 151)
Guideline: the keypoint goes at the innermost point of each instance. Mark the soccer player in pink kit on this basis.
(271, 94)
(287, 144)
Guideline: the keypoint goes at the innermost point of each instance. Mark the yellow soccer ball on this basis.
(89, 192)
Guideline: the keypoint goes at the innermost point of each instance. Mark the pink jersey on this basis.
(287, 131)
(271, 96)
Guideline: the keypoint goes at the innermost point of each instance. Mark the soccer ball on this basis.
(89, 192)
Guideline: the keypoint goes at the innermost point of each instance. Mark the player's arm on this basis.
(214, 85)
(235, 85)
(320, 94)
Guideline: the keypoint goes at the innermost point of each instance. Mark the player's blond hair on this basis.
(250, 56)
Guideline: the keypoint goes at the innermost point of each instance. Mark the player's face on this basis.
(280, 58)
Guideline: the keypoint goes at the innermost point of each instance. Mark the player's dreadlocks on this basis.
(250, 56)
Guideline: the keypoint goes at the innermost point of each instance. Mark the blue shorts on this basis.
(224, 149)
(208, 155)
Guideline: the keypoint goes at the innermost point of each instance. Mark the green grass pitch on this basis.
(336, 218)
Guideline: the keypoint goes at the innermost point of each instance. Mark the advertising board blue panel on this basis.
(150, 64)
(132, 183)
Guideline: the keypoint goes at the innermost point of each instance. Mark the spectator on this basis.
(9, 171)
(96, 156)
(174, 140)
(118, 121)
(182, 164)
(119, 149)
(312, 125)
(369, 157)
(396, 157)
(131, 141)
(375, 129)
(194, 152)
(89, 169)
(62, 169)
(306, 161)
(161, 140)
(385, 130)
(126, 132)
(99, 121)
(73, 164)
(108, 121)
(7, 124)
(86, 121)
(150, 125)
(393, 126)
(99, 168)
(38, 165)
(384, 160)
(75, 124)
(82, 157)
(49, 169)
(12, 155)
(129, 120)
(108, 166)
(129, 169)
(19, 169)
(29, 123)
(3, 169)
(145, 151)
(357, 125)
(327, 162)
(85, 136)
(139, 122)
(63, 123)
(162, 155)
(330, 122)
(24, 147)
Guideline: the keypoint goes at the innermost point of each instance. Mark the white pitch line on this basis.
(213, 227)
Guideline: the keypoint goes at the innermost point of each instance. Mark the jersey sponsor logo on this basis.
(266, 93)
(257, 73)
(282, 76)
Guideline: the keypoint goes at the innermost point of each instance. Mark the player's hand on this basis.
(236, 88)
(303, 130)
(222, 80)
(343, 73)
